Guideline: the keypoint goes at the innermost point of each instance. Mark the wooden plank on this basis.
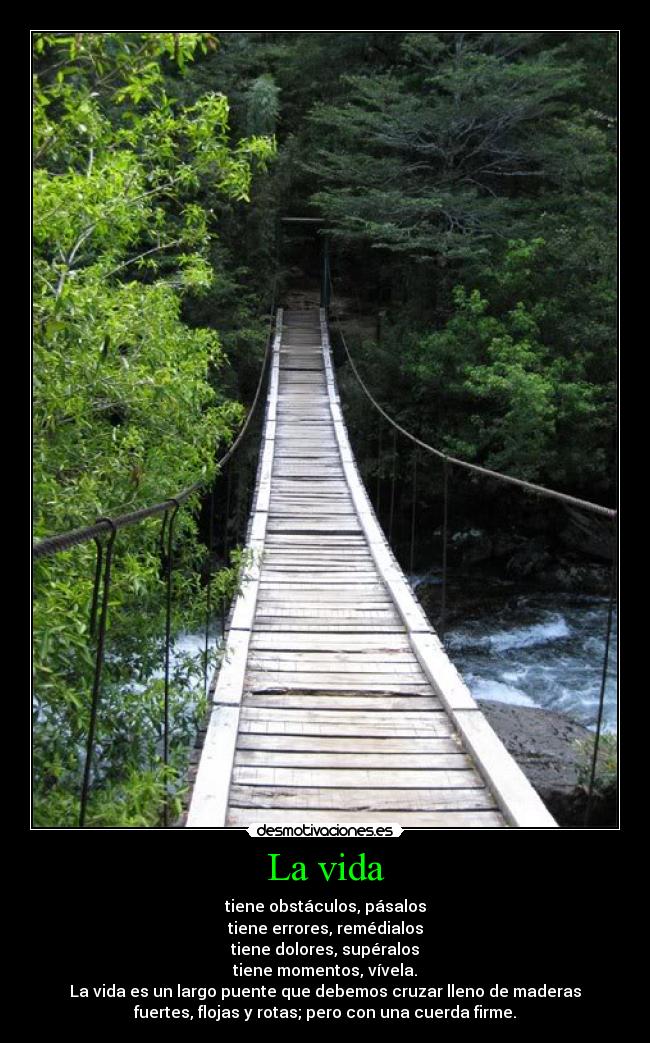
(340, 699)
(336, 546)
(306, 456)
(444, 677)
(274, 579)
(330, 488)
(307, 595)
(288, 610)
(424, 721)
(290, 467)
(209, 802)
(299, 626)
(368, 778)
(282, 576)
(281, 507)
(308, 601)
(352, 761)
(321, 568)
(360, 661)
(336, 672)
(345, 728)
(323, 445)
(295, 519)
(312, 525)
(323, 505)
(322, 553)
(297, 501)
(322, 562)
(304, 494)
(245, 817)
(384, 643)
(341, 589)
(302, 505)
(366, 799)
(273, 619)
(324, 557)
(343, 744)
(304, 486)
(279, 684)
(292, 603)
(336, 680)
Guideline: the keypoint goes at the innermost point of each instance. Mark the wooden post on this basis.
(325, 274)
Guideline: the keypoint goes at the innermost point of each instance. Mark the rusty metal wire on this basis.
(99, 662)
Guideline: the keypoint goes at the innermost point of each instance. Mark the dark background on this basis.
(501, 908)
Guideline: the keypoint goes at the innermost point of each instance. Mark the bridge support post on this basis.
(325, 274)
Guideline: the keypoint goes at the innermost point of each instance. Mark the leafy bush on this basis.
(606, 761)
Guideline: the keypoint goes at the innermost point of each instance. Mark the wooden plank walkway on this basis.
(336, 701)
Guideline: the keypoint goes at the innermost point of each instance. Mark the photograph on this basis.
(324, 467)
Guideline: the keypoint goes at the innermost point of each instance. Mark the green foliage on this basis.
(133, 802)
(129, 400)
(606, 762)
(424, 158)
(484, 160)
(514, 397)
(262, 105)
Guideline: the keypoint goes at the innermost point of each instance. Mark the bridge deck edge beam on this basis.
(210, 794)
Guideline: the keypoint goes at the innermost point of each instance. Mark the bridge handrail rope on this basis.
(531, 487)
(65, 540)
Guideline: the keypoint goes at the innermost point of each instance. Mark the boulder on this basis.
(532, 558)
(545, 745)
(472, 546)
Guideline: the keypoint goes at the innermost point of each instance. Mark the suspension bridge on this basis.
(335, 700)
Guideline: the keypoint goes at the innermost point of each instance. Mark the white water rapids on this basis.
(542, 650)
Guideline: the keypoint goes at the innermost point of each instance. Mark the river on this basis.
(539, 649)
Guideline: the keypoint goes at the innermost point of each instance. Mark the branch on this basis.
(146, 253)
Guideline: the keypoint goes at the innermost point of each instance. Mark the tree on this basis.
(486, 160)
(128, 407)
